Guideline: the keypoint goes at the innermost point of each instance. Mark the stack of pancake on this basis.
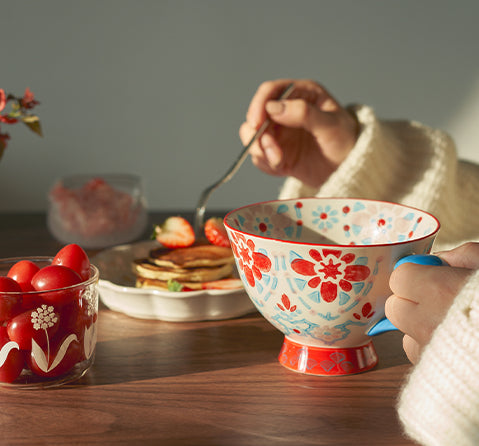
(190, 267)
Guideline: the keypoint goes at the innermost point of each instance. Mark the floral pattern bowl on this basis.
(318, 270)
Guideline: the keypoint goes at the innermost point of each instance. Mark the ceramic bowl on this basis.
(118, 292)
(318, 270)
(49, 337)
(97, 211)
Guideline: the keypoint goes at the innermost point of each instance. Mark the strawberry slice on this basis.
(215, 232)
(175, 232)
(223, 284)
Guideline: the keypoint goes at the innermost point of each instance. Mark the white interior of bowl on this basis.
(336, 221)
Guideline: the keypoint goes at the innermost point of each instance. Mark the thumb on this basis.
(298, 113)
(464, 256)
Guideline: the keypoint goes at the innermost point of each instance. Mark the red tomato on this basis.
(40, 324)
(74, 319)
(70, 358)
(22, 272)
(52, 277)
(11, 368)
(75, 258)
(10, 304)
(31, 300)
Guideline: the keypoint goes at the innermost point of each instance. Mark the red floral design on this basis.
(330, 269)
(286, 304)
(251, 262)
(366, 311)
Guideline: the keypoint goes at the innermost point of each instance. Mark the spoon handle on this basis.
(205, 195)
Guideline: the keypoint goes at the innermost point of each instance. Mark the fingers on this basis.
(464, 256)
(309, 91)
(411, 348)
(413, 319)
(310, 134)
(418, 282)
(298, 113)
(267, 90)
(422, 296)
(265, 154)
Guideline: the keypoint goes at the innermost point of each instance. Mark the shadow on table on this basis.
(182, 352)
(389, 349)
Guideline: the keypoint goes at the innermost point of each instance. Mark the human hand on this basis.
(422, 295)
(310, 136)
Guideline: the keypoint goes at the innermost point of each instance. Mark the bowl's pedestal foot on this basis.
(327, 361)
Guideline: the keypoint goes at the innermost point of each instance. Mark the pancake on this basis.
(147, 269)
(195, 267)
(195, 256)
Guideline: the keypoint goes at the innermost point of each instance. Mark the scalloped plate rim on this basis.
(119, 297)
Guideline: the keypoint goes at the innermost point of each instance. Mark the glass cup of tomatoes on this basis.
(48, 318)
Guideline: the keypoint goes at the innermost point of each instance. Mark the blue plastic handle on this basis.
(421, 259)
(383, 324)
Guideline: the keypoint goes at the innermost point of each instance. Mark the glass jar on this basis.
(47, 338)
(97, 211)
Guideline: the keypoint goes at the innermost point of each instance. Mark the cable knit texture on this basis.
(412, 164)
(440, 402)
(408, 163)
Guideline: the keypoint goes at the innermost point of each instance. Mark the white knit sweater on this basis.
(409, 163)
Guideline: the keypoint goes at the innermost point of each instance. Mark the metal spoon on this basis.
(205, 195)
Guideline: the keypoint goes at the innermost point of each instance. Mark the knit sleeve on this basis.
(440, 401)
(409, 163)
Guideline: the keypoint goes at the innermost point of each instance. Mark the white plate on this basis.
(118, 292)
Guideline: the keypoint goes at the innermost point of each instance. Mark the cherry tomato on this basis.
(22, 272)
(74, 257)
(40, 324)
(52, 277)
(75, 319)
(13, 364)
(10, 304)
(31, 300)
(70, 358)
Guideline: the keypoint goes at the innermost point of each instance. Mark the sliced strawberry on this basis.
(215, 232)
(175, 232)
(223, 284)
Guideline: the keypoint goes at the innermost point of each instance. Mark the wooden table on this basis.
(201, 383)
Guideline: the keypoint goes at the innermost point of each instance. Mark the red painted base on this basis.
(327, 361)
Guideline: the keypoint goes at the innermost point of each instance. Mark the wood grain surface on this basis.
(198, 383)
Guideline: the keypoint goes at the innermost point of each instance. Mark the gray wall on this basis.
(159, 88)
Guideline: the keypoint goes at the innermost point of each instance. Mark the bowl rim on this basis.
(355, 246)
(124, 289)
(110, 176)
